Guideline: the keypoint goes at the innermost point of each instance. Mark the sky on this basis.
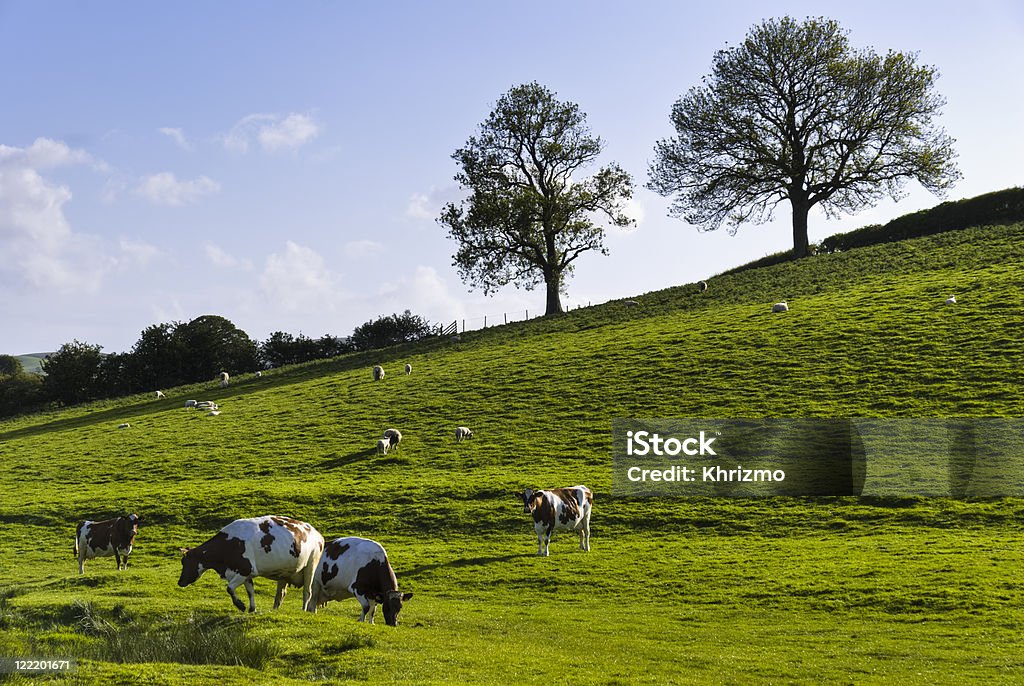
(283, 164)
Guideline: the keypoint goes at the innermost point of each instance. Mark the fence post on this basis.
(505, 315)
(527, 314)
(463, 326)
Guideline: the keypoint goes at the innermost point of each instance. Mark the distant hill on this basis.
(32, 362)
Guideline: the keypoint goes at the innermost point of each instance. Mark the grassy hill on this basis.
(675, 590)
(32, 363)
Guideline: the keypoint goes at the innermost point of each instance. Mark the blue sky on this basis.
(281, 164)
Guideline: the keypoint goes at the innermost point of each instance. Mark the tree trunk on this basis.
(553, 283)
(800, 242)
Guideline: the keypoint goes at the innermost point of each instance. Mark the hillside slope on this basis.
(868, 335)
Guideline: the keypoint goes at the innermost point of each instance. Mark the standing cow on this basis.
(279, 548)
(358, 568)
(103, 539)
(559, 509)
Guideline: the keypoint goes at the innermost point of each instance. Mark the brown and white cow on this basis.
(279, 548)
(559, 509)
(103, 539)
(358, 568)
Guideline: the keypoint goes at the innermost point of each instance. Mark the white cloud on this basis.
(273, 132)
(165, 189)
(298, 280)
(45, 153)
(222, 258)
(136, 252)
(177, 135)
(427, 206)
(38, 246)
(363, 249)
(634, 209)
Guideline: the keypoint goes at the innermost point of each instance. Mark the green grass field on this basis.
(896, 590)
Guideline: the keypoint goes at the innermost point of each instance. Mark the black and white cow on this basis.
(559, 509)
(103, 539)
(358, 568)
(278, 548)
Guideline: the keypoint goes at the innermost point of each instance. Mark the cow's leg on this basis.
(313, 602)
(117, 556)
(307, 584)
(540, 541)
(282, 590)
(252, 594)
(367, 606)
(586, 532)
(547, 540)
(81, 559)
(372, 611)
(234, 583)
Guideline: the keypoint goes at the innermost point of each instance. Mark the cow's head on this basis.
(128, 526)
(529, 498)
(391, 602)
(191, 567)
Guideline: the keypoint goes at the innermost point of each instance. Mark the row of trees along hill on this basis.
(168, 355)
(793, 113)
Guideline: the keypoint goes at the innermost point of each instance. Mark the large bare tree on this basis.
(529, 215)
(795, 113)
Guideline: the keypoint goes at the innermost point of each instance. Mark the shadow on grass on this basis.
(462, 562)
(334, 460)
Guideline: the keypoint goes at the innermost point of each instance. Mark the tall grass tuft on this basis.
(198, 638)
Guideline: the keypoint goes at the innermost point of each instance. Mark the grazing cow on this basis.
(279, 548)
(103, 539)
(408, 369)
(559, 508)
(358, 568)
(462, 433)
(159, 394)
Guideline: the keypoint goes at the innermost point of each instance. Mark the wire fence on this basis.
(483, 321)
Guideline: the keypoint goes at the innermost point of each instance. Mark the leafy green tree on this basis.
(20, 392)
(795, 113)
(529, 215)
(391, 330)
(159, 357)
(10, 365)
(211, 344)
(72, 373)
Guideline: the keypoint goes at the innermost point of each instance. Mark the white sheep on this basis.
(159, 394)
(190, 403)
(213, 413)
(383, 445)
(951, 300)
(126, 425)
(394, 437)
(408, 369)
(224, 379)
(461, 433)
(780, 307)
(259, 375)
(378, 372)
